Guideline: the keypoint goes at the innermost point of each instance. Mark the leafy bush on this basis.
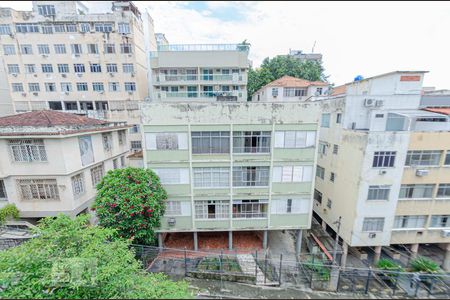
(387, 264)
(131, 200)
(423, 264)
(72, 260)
(8, 211)
(319, 268)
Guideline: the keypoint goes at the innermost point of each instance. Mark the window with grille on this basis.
(130, 86)
(126, 48)
(110, 49)
(17, 87)
(26, 49)
(79, 68)
(250, 209)
(82, 86)
(9, 49)
(443, 190)
(212, 209)
(66, 87)
(97, 174)
(13, 68)
(76, 48)
(440, 221)
(290, 206)
(124, 28)
(43, 49)
(208, 142)
(373, 224)
(211, 177)
(50, 87)
(98, 86)
(251, 141)
(294, 92)
(412, 191)
(46, 10)
(63, 68)
(122, 136)
(134, 129)
(115, 163)
(92, 48)
(332, 176)
(34, 87)
(30, 68)
(128, 68)
(114, 86)
(383, 159)
(335, 149)
(173, 208)
(378, 192)
(325, 122)
(173, 175)
(85, 27)
(423, 158)
(107, 141)
(250, 176)
(292, 174)
(78, 184)
(295, 139)
(38, 189)
(136, 145)
(320, 172)
(111, 68)
(5, 29)
(27, 27)
(96, 68)
(47, 68)
(60, 49)
(3, 195)
(103, 27)
(410, 222)
(318, 196)
(28, 150)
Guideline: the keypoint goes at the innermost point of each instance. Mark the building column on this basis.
(195, 241)
(324, 225)
(265, 240)
(414, 250)
(230, 240)
(160, 240)
(446, 264)
(298, 244)
(344, 253)
(377, 254)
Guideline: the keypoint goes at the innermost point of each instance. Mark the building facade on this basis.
(231, 167)
(53, 160)
(61, 57)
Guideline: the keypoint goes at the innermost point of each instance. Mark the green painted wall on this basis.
(250, 190)
(165, 128)
(177, 189)
(225, 224)
(251, 157)
(306, 154)
(208, 157)
(249, 223)
(292, 187)
(286, 220)
(210, 128)
(182, 223)
(211, 192)
(167, 155)
(246, 127)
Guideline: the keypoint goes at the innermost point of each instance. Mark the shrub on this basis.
(387, 264)
(8, 211)
(425, 265)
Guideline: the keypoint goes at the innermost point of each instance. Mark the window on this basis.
(332, 176)
(13, 68)
(38, 189)
(335, 149)
(320, 172)
(30, 68)
(3, 195)
(50, 87)
(128, 68)
(9, 49)
(66, 87)
(294, 92)
(295, 139)
(47, 29)
(34, 87)
(130, 86)
(124, 28)
(136, 145)
(109, 49)
(383, 159)
(250, 209)
(290, 206)
(373, 224)
(79, 68)
(440, 221)
(274, 92)
(59, 28)
(60, 48)
(85, 27)
(122, 161)
(322, 148)
(96, 68)
(5, 29)
(92, 48)
(378, 192)
(423, 158)
(78, 184)
(126, 48)
(212, 209)
(17, 87)
(251, 141)
(338, 118)
(443, 190)
(115, 164)
(379, 116)
(97, 174)
(63, 68)
(103, 27)
(71, 27)
(27, 27)
(319, 91)
(114, 86)
(250, 176)
(447, 158)
(207, 142)
(47, 68)
(292, 174)
(107, 141)
(317, 196)
(410, 221)
(76, 48)
(46, 10)
(82, 86)
(411, 191)
(111, 68)
(325, 121)
(122, 136)
(173, 208)
(134, 129)
(211, 177)
(166, 141)
(26, 49)
(173, 175)
(329, 202)
(98, 86)
(43, 49)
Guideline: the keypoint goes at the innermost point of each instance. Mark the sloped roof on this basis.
(440, 110)
(48, 118)
(289, 81)
(339, 90)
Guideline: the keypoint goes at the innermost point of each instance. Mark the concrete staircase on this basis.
(248, 265)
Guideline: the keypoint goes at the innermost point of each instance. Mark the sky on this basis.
(355, 38)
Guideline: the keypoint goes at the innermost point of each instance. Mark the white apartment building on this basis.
(51, 161)
(383, 166)
(288, 88)
(61, 57)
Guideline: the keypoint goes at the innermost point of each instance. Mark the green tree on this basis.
(132, 201)
(72, 260)
(8, 211)
(277, 67)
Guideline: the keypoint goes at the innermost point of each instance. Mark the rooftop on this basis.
(289, 81)
(440, 110)
(205, 47)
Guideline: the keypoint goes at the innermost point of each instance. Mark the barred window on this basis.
(423, 158)
(383, 159)
(109, 49)
(378, 192)
(443, 190)
(103, 27)
(79, 68)
(206, 142)
(96, 68)
(3, 195)
(60, 48)
(28, 150)
(38, 189)
(212, 209)
(411, 191)
(136, 145)
(78, 184)
(250, 176)
(111, 68)
(13, 68)
(373, 224)
(410, 221)
(211, 177)
(126, 48)
(122, 136)
(43, 49)
(251, 141)
(250, 209)
(97, 174)
(107, 141)
(335, 149)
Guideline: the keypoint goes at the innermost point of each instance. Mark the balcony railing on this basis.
(205, 47)
(200, 77)
(249, 215)
(194, 94)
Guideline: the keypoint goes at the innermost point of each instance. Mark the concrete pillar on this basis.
(160, 240)
(414, 250)
(377, 254)
(324, 225)
(344, 254)
(446, 264)
(265, 240)
(298, 244)
(230, 240)
(195, 241)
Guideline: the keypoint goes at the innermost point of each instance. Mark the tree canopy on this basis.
(277, 67)
(71, 259)
(131, 200)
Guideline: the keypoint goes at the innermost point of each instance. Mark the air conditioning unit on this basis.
(372, 235)
(35, 75)
(79, 74)
(24, 94)
(147, 99)
(130, 93)
(171, 221)
(133, 74)
(64, 75)
(382, 172)
(14, 74)
(77, 55)
(111, 74)
(445, 233)
(101, 92)
(35, 93)
(369, 102)
(44, 55)
(11, 35)
(130, 55)
(66, 92)
(379, 103)
(421, 173)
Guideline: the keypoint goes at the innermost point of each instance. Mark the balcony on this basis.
(182, 79)
(209, 96)
(205, 47)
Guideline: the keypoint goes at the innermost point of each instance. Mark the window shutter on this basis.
(300, 139)
(310, 138)
(184, 176)
(289, 139)
(297, 174)
(150, 141)
(300, 206)
(182, 141)
(276, 176)
(307, 173)
(287, 174)
(279, 139)
(185, 208)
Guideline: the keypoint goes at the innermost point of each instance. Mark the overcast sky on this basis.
(355, 38)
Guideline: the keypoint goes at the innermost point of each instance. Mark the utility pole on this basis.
(336, 241)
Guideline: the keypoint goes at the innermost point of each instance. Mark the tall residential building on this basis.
(61, 57)
(298, 54)
(53, 160)
(232, 167)
(383, 166)
(190, 72)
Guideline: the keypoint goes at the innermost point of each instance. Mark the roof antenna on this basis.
(312, 50)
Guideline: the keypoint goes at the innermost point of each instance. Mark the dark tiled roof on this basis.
(48, 118)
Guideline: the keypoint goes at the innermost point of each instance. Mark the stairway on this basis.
(248, 265)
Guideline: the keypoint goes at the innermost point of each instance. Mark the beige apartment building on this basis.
(61, 57)
(51, 161)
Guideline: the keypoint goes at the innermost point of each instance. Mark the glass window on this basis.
(5, 29)
(274, 92)
(79, 68)
(423, 158)
(95, 68)
(292, 174)
(250, 176)
(17, 87)
(34, 87)
(97, 174)
(320, 172)
(110, 48)
(63, 68)
(46, 10)
(332, 176)
(66, 87)
(440, 221)
(13, 68)
(60, 48)
(107, 141)
(378, 192)
(173, 208)
(207, 142)
(443, 190)
(251, 141)
(410, 221)
(411, 191)
(173, 175)
(71, 27)
(103, 27)
(318, 196)
(325, 121)
(124, 28)
(111, 68)
(383, 159)
(126, 48)
(136, 145)
(92, 48)
(43, 49)
(114, 86)
(250, 209)
(28, 150)
(78, 184)
(329, 202)
(128, 68)
(9, 49)
(322, 148)
(130, 86)
(3, 195)
(212, 209)
(447, 158)
(27, 27)
(50, 87)
(211, 177)
(335, 149)
(121, 134)
(47, 68)
(294, 92)
(59, 28)
(82, 86)
(98, 86)
(373, 224)
(76, 48)
(290, 206)
(338, 118)
(85, 27)
(26, 49)
(30, 68)
(38, 189)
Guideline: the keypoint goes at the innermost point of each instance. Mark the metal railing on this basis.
(204, 47)
(249, 215)
(199, 77)
(193, 94)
